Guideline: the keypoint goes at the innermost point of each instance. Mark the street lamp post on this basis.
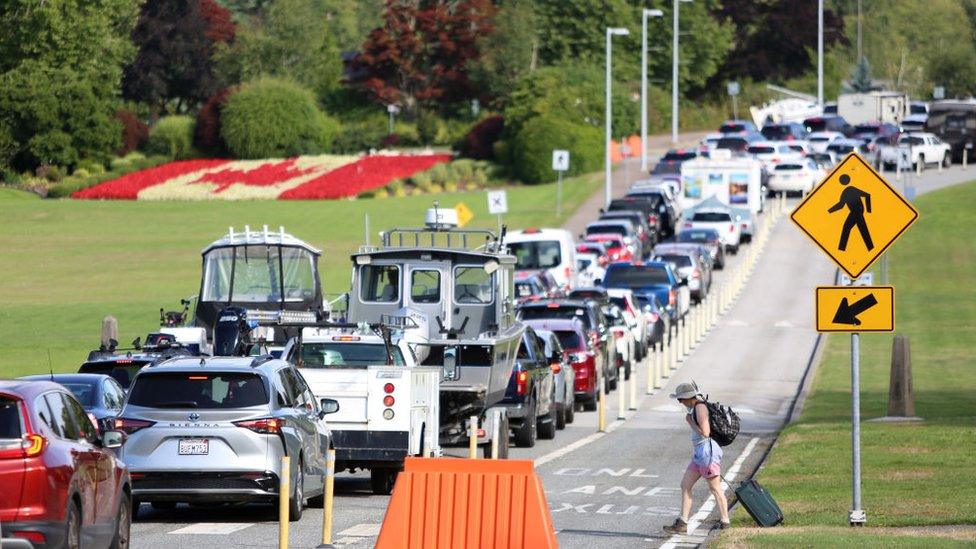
(674, 72)
(645, 14)
(820, 32)
(611, 31)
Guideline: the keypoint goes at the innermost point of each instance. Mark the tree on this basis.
(290, 39)
(174, 67)
(421, 53)
(509, 52)
(861, 80)
(60, 68)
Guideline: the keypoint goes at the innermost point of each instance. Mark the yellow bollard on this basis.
(284, 493)
(602, 406)
(965, 158)
(659, 362)
(473, 437)
(496, 433)
(633, 386)
(329, 497)
(621, 393)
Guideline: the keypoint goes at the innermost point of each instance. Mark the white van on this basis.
(553, 250)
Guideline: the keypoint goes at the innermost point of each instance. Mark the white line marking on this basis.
(709, 504)
(362, 530)
(213, 528)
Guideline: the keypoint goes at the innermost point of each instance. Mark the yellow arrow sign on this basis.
(855, 308)
(465, 215)
(854, 215)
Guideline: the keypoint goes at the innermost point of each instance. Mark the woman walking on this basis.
(706, 458)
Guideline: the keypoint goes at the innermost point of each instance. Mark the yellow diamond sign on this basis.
(854, 215)
(855, 308)
(465, 215)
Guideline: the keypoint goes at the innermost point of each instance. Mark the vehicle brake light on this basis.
(696, 273)
(731, 227)
(688, 225)
(556, 367)
(531, 230)
(265, 425)
(37, 538)
(388, 400)
(388, 388)
(552, 305)
(672, 297)
(129, 426)
(568, 272)
(345, 338)
(31, 445)
(521, 383)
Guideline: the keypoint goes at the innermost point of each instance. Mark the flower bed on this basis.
(305, 177)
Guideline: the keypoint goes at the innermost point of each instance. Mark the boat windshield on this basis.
(259, 274)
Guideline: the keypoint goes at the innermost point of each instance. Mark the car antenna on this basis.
(50, 365)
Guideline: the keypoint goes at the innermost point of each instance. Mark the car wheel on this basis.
(72, 538)
(382, 480)
(163, 505)
(561, 416)
(590, 405)
(296, 504)
(525, 436)
(123, 523)
(547, 425)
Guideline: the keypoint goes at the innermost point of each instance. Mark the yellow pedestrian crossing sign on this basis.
(854, 215)
(464, 214)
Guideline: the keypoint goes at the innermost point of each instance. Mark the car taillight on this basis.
(568, 272)
(744, 225)
(672, 297)
(556, 367)
(696, 273)
(688, 225)
(732, 227)
(37, 538)
(602, 260)
(31, 445)
(129, 426)
(388, 388)
(388, 400)
(265, 425)
(521, 383)
(652, 219)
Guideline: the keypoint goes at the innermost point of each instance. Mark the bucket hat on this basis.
(685, 390)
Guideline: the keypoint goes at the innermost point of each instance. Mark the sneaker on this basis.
(724, 525)
(679, 527)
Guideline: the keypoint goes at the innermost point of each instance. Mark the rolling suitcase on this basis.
(759, 504)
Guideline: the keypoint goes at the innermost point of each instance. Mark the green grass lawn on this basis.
(914, 473)
(65, 264)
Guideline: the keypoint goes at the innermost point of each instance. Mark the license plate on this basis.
(194, 447)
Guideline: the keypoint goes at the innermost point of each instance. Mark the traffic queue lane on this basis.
(615, 489)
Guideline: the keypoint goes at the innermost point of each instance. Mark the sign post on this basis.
(854, 216)
(560, 163)
(733, 89)
(498, 205)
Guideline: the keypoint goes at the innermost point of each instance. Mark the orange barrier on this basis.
(634, 142)
(467, 504)
(615, 155)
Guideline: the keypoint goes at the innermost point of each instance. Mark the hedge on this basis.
(531, 150)
(172, 136)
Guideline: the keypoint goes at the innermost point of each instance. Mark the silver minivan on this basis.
(215, 429)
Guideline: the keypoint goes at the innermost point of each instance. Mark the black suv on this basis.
(529, 397)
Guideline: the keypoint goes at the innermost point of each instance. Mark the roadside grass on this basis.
(914, 474)
(801, 536)
(8, 194)
(68, 263)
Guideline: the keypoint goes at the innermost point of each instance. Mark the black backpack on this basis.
(723, 421)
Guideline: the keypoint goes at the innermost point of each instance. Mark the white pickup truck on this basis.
(915, 150)
(389, 407)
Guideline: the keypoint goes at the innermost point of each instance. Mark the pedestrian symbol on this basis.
(854, 215)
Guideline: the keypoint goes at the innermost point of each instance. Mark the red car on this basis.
(617, 249)
(60, 483)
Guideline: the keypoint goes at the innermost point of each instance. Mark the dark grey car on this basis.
(100, 395)
(215, 430)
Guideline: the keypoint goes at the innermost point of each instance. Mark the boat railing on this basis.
(454, 239)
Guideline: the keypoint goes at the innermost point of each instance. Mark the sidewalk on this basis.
(624, 173)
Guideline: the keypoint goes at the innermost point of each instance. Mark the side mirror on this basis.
(329, 406)
(449, 370)
(112, 439)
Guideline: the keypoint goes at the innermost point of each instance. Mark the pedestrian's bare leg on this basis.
(715, 485)
(687, 483)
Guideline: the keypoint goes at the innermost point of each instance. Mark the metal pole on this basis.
(559, 193)
(860, 51)
(622, 393)
(820, 30)
(606, 124)
(284, 493)
(674, 75)
(497, 415)
(857, 516)
(643, 139)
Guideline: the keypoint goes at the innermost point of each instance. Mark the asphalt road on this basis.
(614, 489)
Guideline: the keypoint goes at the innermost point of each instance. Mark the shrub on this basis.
(533, 146)
(135, 132)
(274, 118)
(480, 140)
(172, 136)
(75, 183)
(206, 136)
(51, 173)
(93, 167)
(390, 140)
(123, 161)
(428, 126)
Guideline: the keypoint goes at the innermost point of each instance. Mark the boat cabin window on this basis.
(257, 274)
(379, 283)
(472, 285)
(425, 286)
(335, 355)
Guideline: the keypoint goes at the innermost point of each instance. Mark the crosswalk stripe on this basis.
(213, 528)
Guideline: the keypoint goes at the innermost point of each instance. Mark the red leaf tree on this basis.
(421, 53)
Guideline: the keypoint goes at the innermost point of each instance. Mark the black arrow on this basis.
(847, 313)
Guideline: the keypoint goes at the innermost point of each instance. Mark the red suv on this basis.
(60, 483)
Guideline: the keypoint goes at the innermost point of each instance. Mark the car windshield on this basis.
(558, 311)
(607, 229)
(677, 261)
(9, 418)
(540, 254)
(815, 124)
(711, 217)
(775, 133)
(571, 341)
(679, 155)
(653, 197)
(84, 392)
(732, 128)
(696, 236)
(203, 390)
(916, 109)
(258, 274)
(636, 276)
(526, 289)
(761, 150)
(819, 139)
(337, 355)
(122, 370)
(788, 167)
(911, 140)
(732, 144)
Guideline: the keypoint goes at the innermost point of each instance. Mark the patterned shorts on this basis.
(707, 459)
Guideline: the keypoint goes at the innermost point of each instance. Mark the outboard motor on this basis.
(232, 333)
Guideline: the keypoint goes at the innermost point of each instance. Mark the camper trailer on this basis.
(735, 181)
